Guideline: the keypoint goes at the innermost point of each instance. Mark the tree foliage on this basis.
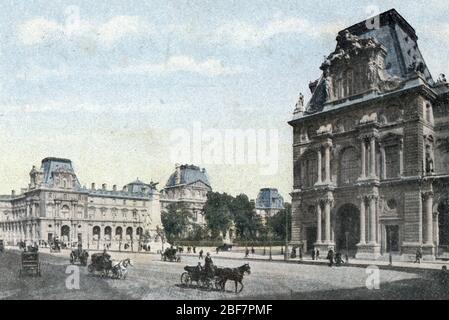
(217, 213)
(276, 223)
(176, 221)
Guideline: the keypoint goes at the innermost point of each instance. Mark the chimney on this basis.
(103, 186)
(13, 193)
(93, 186)
(114, 187)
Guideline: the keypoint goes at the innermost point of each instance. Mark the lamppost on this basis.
(286, 236)
(347, 246)
(390, 255)
(269, 239)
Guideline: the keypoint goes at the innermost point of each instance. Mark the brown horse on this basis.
(233, 274)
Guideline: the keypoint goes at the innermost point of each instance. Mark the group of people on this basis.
(336, 258)
(208, 264)
(191, 249)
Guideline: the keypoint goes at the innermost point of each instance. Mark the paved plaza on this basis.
(150, 278)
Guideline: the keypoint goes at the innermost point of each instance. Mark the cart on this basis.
(30, 264)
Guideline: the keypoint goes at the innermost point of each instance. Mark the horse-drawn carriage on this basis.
(30, 263)
(204, 279)
(170, 254)
(55, 246)
(216, 277)
(101, 262)
(79, 256)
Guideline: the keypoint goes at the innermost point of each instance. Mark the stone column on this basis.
(428, 199)
(373, 157)
(373, 221)
(363, 158)
(318, 223)
(384, 162)
(327, 163)
(362, 221)
(401, 157)
(319, 180)
(327, 220)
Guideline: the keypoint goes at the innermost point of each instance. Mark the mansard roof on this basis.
(269, 198)
(187, 174)
(388, 50)
(51, 165)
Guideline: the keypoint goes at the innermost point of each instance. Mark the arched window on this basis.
(349, 166)
(129, 233)
(118, 233)
(96, 233)
(107, 233)
(65, 211)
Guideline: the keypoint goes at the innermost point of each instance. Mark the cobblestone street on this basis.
(150, 278)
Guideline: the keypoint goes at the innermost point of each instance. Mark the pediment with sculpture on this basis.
(356, 67)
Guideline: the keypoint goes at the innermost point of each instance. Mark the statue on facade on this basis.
(299, 107)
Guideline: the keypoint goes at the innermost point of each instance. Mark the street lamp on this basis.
(390, 255)
(269, 239)
(347, 246)
(286, 236)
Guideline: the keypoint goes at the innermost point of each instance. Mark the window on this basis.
(349, 166)
(309, 174)
(392, 161)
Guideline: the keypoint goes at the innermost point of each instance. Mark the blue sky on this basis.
(108, 88)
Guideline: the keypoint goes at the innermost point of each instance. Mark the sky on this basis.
(126, 89)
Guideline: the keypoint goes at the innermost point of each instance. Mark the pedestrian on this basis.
(217, 250)
(330, 257)
(246, 253)
(201, 254)
(313, 254)
(317, 255)
(418, 255)
(293, 253)
(252, 250)
(300, 253)
(188, 249)
(194, 249)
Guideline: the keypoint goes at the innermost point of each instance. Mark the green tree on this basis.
(217, 213)
(176, 221)
(247, 223)
(276, 223)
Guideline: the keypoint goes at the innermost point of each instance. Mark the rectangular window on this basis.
(392, 161)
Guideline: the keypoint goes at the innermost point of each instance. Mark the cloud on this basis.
(244, 34)
(41, 31)
(38, 73)
(209, 67)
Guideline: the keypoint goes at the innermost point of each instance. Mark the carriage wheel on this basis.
(186, 279)
(206, 284)
(90, 268)
(218, 285)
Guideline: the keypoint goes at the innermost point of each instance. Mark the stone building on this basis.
(370, 150)
(189, 186)
(268, 203)
(56, 206)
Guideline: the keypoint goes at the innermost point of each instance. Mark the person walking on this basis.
(313, 254)
(252, 250)
(317, 255)
(418, 255)
(246, 253)
(330, 257)
(201, 254)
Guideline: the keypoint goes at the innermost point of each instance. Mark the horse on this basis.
(233, 274)
(120, 270)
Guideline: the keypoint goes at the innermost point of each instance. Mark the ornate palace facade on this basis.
(370, 150)
(56, 206)
(189, 186)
